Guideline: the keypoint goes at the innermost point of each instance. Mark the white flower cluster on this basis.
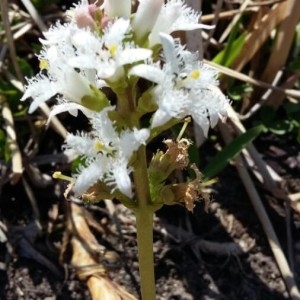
(184, 86)
(107, 154)
(109, 47)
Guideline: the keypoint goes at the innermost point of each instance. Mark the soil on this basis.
(217, 253)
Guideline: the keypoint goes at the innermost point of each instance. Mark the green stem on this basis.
(143, 210)
(144, 226)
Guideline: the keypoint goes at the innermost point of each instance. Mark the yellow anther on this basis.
(98, 146)
(195, 74)
(59, 175)
(43, 64)
(113, 49)
(103, 149)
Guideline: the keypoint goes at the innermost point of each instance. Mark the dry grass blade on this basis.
(35, 15)
(89, 269)
(234, 20)
(26, 27)
(282, 47)
(257, 37)
(215, 20)
(226, 14)
(283, 42)
(295, 197)
(10, 41)
(240, 76)
(16, 156)
(275, 98)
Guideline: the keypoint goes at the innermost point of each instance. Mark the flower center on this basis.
(113, 49)
(101, 148)
(44, 64)
(195, 74)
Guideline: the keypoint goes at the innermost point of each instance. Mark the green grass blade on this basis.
(232, 49)
(230, 151)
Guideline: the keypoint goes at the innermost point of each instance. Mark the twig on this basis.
(35, 15)
(215, 20)
(234, 21)
(263, 99)
(184, 237)
(10, 41)
(226, 14)
(16, 156)
(289, 235)
(33, 203)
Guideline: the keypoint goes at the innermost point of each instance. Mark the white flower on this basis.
(70, 84)
(154, 17)
(77, 62)
(145, 17)
(61, 79)
(106, 153)
(107, 55)
(184, 87)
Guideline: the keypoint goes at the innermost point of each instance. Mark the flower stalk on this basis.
(144, 227)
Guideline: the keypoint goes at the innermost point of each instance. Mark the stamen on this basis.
(59, 175)
(43, 64)
(113, 49)
(98, 146)
(195, 74)
(184, 126)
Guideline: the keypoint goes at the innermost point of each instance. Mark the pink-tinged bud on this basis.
(146, 16)
(117, 8)
(84, 16)
(105, 21)
(92, 8)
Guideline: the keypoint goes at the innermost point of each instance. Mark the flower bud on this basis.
(84, 16)
(117, 8)
(145, 17)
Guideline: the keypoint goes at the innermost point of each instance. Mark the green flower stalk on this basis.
(94, 64)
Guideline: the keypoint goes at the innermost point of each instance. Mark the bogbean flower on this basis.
(184, 86)
(175, 15)
(104, 50)
(108, 54)
(106, 154)
(78, 60)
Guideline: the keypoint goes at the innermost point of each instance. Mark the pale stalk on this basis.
(143, 211)
(144, 227)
